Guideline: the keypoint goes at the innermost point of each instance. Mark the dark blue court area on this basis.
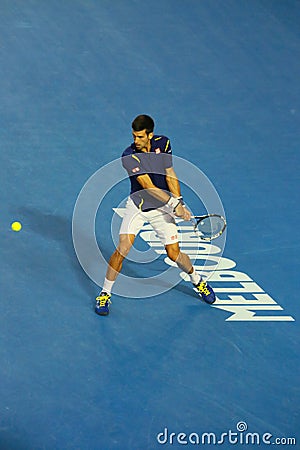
(221, 79)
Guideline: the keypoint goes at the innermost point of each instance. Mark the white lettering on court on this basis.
(237, 293)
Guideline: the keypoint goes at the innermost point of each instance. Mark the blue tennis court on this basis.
(221, 80)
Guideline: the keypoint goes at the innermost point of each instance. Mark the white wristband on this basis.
(173, 202)
(180, 200)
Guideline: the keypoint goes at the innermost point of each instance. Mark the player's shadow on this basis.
(56, 230)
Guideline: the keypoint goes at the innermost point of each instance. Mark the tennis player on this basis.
(154, 198)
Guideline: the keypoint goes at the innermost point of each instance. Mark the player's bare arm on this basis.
(174, 188)
(146, 183)
(173, 182)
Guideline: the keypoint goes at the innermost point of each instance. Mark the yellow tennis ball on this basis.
(16, 226)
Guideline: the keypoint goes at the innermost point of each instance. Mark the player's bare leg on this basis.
(182, 259)
(116, 260)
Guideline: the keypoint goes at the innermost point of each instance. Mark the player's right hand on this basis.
(182, 212)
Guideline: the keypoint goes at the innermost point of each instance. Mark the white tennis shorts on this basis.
(163, 223)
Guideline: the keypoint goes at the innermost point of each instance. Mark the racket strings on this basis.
(209, 227)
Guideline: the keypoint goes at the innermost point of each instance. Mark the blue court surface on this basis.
(221, 79)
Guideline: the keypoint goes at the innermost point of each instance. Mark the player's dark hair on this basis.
(143, 122)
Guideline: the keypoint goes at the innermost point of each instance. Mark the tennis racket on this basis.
(210, 226)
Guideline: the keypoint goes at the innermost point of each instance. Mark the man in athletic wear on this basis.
(154, 198)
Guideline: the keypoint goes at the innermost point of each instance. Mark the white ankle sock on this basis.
(195, 277)
(107, 286)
